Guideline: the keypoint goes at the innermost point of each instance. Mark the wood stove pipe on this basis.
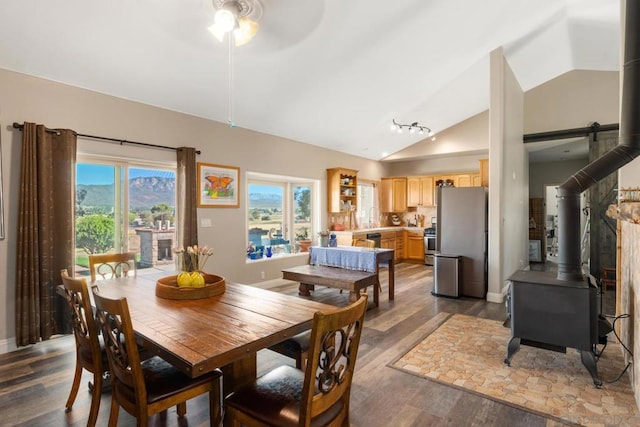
(569, 254)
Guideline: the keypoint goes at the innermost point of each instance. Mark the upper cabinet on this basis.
(342, 190)
(484, 172)
(463, 180)
(420, 191)
(393, 195)
(468, 180)
(459, 180)
(398, 194)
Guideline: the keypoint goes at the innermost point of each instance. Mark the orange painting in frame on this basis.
(218, 186)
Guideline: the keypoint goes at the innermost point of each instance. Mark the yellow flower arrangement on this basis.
(192, 262)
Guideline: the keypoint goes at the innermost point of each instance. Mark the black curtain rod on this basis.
(570, 133)
(115, 140)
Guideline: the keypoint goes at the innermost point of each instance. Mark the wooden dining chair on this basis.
(152, 386)
(320, 394)
(363, 243)
(296, 347)
(109, 266)
(90, 354)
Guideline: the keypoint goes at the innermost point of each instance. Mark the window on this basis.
(125, 207)
(368, 214)
(280, 212)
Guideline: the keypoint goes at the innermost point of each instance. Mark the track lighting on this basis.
(413, 128)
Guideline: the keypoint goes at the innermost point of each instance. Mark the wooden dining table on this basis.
(223, 331)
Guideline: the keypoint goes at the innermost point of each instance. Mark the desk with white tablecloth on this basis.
(356, 258)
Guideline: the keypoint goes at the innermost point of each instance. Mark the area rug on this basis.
(468, 352)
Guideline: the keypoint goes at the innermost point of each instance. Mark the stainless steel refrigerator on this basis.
(462, 230)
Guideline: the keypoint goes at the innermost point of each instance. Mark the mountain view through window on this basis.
(125, 208)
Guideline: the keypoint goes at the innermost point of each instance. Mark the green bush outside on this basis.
(82, 261)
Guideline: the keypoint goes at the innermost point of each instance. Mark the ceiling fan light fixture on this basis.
(245, 31)
(237, 17)
(226, 18)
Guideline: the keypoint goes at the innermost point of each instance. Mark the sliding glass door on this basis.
(125, 207)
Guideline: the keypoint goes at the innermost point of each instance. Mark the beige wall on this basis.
(551, 173)
(437, 165)
(25, 98)
(573, 100)
(466, 138)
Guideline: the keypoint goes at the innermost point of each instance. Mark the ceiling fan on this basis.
(238, 18)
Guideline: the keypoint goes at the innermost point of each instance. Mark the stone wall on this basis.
(629, 284)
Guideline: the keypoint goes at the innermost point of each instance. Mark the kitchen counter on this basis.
(391, 237)
(379, 229)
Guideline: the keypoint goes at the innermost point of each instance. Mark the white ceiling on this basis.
(332, 73)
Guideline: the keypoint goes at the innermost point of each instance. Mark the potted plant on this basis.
(302, 239)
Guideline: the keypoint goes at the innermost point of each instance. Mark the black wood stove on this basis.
(554, 314)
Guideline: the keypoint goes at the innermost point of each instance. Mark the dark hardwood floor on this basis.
(35, 381)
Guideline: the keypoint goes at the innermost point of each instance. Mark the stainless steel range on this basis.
(429, 245)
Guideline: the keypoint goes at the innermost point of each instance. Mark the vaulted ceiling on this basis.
(332, 73)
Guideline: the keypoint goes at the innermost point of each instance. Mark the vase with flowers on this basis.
(191, 262)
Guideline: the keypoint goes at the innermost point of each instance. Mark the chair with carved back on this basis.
(145, 388)
(296, 347)
(90, 354)
(320, 394)
(109, 266)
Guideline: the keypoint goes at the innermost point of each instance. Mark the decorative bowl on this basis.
(167, 287)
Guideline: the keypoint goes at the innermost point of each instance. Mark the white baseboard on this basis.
(500, 297)
(8, 345)
(495, 297)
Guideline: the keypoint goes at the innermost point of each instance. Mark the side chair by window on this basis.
(90, 354)
(288, 397)
(152, 386)
(109, 266)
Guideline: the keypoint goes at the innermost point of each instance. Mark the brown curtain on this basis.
(187, 197)
(45, 230)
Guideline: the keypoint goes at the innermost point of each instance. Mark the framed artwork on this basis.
(218, 186)
(535, 253)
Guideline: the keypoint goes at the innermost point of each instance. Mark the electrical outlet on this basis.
(262, 274)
